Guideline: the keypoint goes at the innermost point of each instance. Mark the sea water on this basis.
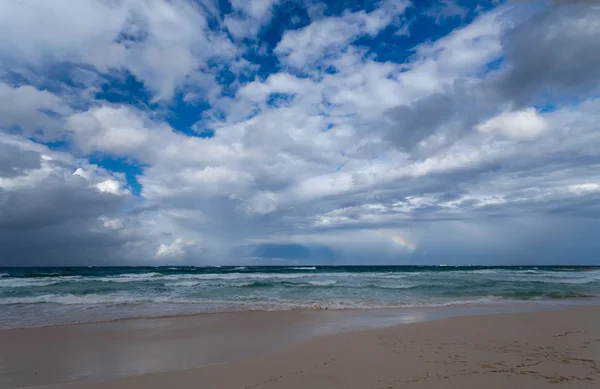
(50, 296)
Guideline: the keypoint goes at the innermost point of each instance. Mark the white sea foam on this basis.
(128, 277)
(323, 283)
(24, 282)
(403, 286)
(33, 282)
(70, 299)
(233, 276)
(103, 300)
(99, 299)
(280, 276)
(442, 303)
(155, 276)
(305, 268)
(363, 304)
(483, 271)
(580, 280)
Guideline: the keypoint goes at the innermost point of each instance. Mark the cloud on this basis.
(554, 53)
(30, 109)
(523, 125)
(248, 17)
(161, 44)
(317, 151)
(442, 95)
(52, 210)
(14, 161)
(525, 58)
(174, 249)
(446, 9)
(300, 48)
(118, 130)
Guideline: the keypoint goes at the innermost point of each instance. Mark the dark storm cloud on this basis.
(72, 242)
(319, 253)
(55, 201)
(551, 57)
(532, 239)
(416, 121)
(556, 53)
(55, 221)
(13, 161)
(454, 113)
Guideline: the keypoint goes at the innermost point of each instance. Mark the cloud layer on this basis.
(197, 132)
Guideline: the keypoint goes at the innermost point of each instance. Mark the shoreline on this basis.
(86, 352)
(466, 303)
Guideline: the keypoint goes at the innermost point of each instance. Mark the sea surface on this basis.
(31, 297)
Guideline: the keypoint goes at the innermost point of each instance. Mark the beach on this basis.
(551, 348)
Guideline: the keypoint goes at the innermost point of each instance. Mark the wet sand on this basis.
(527, 350)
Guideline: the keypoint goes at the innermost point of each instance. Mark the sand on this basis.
(550, 349)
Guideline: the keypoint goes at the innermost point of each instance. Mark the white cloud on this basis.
(175, 248)
(29, 108)
(445, 9)
(462, 53)
(526, 124)
(277, 83)
(111, 186)
(158, 42)
(249, 17)
(116, 130)
(300, 48)
(586, 188)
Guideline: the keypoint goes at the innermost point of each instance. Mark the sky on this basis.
(151, 132)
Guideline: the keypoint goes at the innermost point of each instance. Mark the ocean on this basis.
(31, 297)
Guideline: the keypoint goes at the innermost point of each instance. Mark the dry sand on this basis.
(551, 349)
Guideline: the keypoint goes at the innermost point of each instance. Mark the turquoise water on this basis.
(45, 296)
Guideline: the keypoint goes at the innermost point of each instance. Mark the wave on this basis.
(361, 304)
(106, 300)
(322, 283)
(250, 288)
(130, 277)
(36, 282)
(404, 286)
(210, 305)
(23, 283)
(185, 283)
(234, 276)
(483, 271)
(579, 281)
(71, 299)
(538, 295)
